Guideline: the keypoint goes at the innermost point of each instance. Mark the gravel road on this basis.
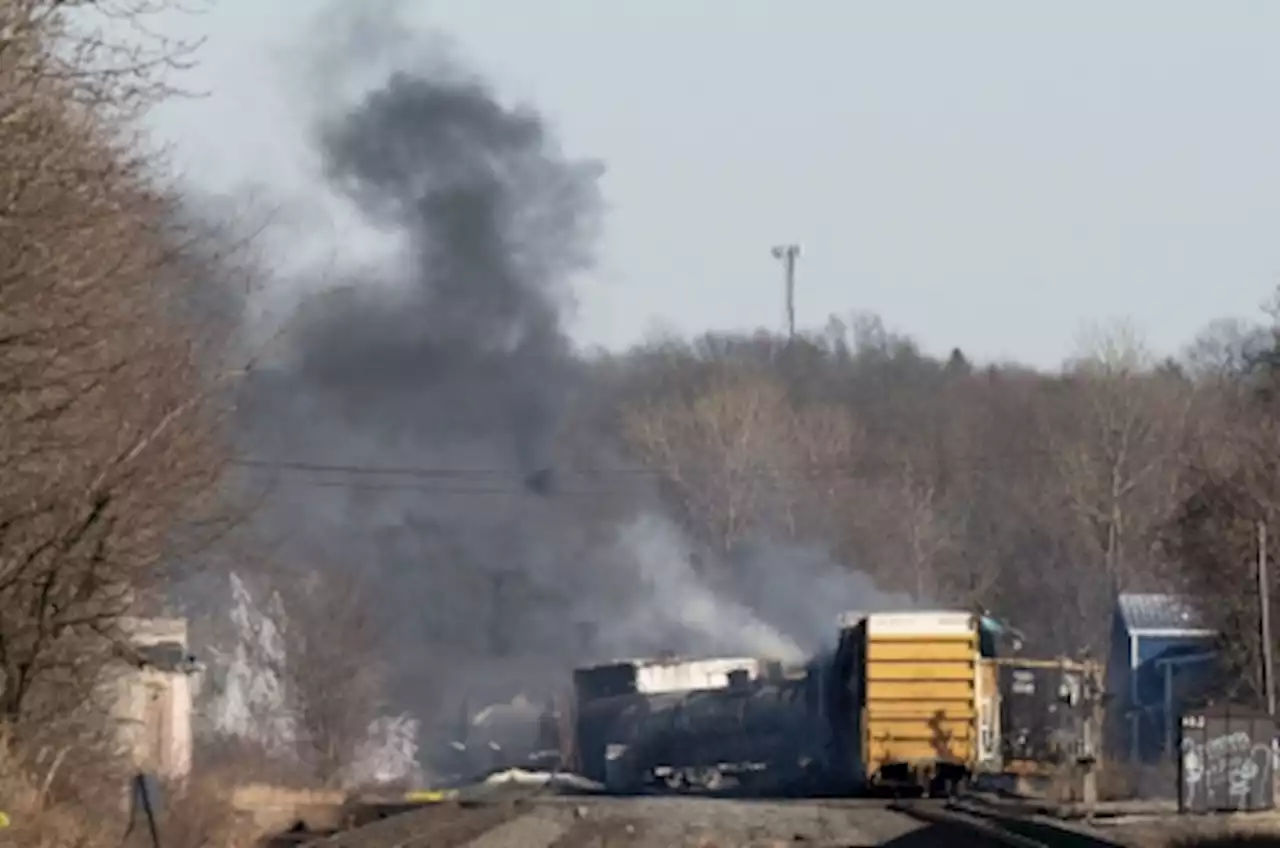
(596, 822)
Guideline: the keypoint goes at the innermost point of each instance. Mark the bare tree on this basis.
(908, 519)
(1226, 349)
(733, 454)
(110, 432)
(1117, 455)
(1231, 483)
(333, 668)
(827, 444)
(298, 677)
(99, 55)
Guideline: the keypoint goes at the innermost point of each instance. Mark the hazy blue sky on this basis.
(983, 174)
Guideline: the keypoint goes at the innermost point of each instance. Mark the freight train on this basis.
(902, 701)
(905, 700)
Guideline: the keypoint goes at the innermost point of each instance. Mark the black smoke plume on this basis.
(449, 367)
(445, 376)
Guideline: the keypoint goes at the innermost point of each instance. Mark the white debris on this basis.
(550, 779)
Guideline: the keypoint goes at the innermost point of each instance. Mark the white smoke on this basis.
(675, 600)
(250, 702)
(780, 601)
(802, 590)
(389, 755)
(251, 699)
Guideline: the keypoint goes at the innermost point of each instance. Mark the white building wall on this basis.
(154, 707)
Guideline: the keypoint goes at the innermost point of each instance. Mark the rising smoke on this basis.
(490, 560)
(452, 358)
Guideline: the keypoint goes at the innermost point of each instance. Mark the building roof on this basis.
(1165, 612)
(155, 630)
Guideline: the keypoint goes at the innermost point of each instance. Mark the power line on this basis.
(398, 470)
(811, 471)
(381, 486)
(588, 480)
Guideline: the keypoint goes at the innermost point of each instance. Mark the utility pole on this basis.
(1093, 690)
(1264, 601)
(787, 254)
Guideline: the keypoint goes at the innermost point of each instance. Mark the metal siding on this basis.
(989, 723)
(1118, 659)
(1152, 647)
(953, 624)
(1158, 611)
(1147, 727)
(1147, 678)
(1119, 681)
(1190, 684)
(958, 649)
(921, 699)
(1226, 762)
(1037, 729)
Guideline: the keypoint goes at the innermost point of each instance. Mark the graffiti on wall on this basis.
(1226, 771)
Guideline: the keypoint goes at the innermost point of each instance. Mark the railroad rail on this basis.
(434, 826)
(1015, 831)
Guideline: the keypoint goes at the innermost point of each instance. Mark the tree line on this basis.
(1038, 496)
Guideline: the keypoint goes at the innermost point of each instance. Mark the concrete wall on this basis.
(153, 704)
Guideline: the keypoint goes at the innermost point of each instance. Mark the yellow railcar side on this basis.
(926, 700)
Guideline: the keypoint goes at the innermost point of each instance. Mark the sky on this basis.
(993, 175)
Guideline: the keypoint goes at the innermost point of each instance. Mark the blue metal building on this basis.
(1162, 655)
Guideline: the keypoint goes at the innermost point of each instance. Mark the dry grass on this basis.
(199, 815)
(35, 819)
(205, 815)
(1175, 831)
(1117, 781)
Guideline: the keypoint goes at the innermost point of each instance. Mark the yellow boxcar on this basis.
(913, 703)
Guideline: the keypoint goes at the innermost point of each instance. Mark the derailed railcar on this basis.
(608, 700)
(768, 729)
(904, 700)
(911, 703)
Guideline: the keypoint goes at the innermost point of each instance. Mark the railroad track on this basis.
(548, 822)
(999, 828)
(443, 825)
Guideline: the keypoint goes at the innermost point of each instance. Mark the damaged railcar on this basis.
(611, 701)
(748, 733)
(906, 699)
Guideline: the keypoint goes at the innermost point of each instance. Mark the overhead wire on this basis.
(479, 480)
